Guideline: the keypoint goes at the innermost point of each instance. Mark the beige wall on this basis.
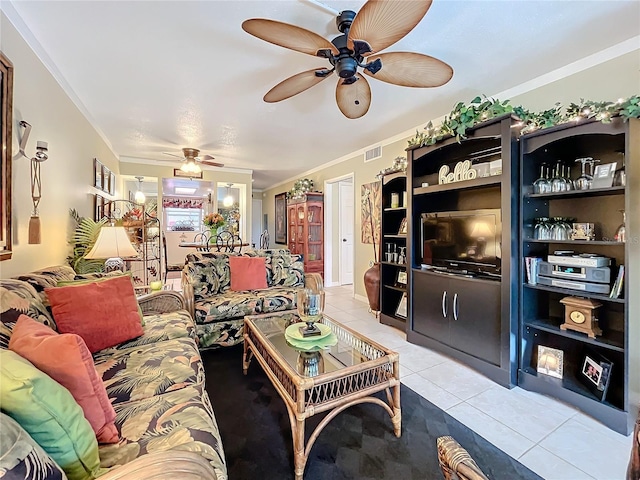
(67, 176)
(608, 81)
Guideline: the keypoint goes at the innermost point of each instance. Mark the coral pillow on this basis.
(103, 313)
(67, 360)
(248, 273)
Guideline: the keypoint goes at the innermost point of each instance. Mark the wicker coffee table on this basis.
(341, 376)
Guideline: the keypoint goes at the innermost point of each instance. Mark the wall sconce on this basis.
(36, 180)
(139, 196)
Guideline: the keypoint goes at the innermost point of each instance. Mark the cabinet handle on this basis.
(444, 304)
(455, 306)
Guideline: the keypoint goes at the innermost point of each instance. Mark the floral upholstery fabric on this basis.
(21, 457)
(209, 276)
(179, 420)
(227, 306)
(277, 299)
(158, 328)
(47, 277)
(141, 372)
(18, 298)
(220, 334)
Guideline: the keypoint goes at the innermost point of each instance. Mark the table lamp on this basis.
(481, 230)
(113, 243)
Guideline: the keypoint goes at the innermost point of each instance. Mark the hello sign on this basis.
(462, 171)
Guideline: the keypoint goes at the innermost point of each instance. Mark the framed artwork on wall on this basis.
(97, 174)
(179, 173)
(6, 119)
(112, 183)
(281, 218)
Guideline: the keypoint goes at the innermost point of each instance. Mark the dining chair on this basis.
(173, 267)
(204, 239)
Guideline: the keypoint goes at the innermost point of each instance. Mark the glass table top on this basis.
(311, 363)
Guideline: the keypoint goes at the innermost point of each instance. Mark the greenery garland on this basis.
(464, 117)
(300, 187)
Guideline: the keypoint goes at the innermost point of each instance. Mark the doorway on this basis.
(339, 230)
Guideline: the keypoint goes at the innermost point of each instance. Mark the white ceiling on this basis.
(158, 76)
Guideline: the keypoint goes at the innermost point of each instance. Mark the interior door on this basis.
(346, 232)
(256, 221)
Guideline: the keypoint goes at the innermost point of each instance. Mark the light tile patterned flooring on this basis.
(553, 439)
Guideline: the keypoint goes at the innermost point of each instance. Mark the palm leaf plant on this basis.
(82, 240)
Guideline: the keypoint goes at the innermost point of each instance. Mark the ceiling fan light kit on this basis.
(191, 160)
(139, 196)
(378, 25)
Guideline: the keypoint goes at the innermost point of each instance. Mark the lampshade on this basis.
(481, 229)
(228, 200)
(112, 242)
(139, 196)
(190, 166)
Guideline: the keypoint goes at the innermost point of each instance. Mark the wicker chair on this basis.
(455, 461)
(633, 471)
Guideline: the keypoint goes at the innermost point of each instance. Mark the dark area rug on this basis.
(358, 444)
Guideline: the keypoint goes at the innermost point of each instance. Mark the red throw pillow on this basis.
(66, 358)
(103, 313)
(247, 273)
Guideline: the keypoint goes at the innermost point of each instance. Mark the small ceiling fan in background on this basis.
(191, 161)
(378, 25)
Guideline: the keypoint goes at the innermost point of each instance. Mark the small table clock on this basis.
(580, 315)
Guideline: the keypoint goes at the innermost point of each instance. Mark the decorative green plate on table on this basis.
(312, 346)
(293, 331)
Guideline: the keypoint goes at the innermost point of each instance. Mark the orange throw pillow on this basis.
(248, 273)
(67, 360)
(103, 313)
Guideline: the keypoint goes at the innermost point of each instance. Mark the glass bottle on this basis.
(542, 184)
(621, 232)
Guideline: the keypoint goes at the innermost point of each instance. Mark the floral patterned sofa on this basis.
(219, 311)
(155, 382)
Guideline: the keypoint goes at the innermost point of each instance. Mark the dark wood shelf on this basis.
(393, 287)
(393, 320)
(389, 235)
(463, 185)
(579, 293)
(394, 264)
(577, 242)
(596, 192)
(612, 340)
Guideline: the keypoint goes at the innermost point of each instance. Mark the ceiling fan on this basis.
(378, 25)
(191, 160)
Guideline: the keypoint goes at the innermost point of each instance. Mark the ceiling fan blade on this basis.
(181, 157)
(383, 23)
(288, 36)
(207, 157)
(211, 164)
(353, 98)
(296, 84)
(410, 69)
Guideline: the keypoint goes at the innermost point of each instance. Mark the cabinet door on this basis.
(431, 306)
(475, 318)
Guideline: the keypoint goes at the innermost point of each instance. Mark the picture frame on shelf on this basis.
(401, 311)
(550, 361)
(603, 175)
(97, 174)
(401, 278)
(403, 227)
(281, 218)
(595, 373)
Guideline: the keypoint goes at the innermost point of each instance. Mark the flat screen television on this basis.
(463, 241)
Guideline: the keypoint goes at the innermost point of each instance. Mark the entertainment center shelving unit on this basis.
(541, 312)
(392, 291)
(471, 318)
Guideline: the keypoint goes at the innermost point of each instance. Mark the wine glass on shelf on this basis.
(542, 185)
(583, 182)
(558, 184)
(621, 231)
(310, 304)
(566, 174)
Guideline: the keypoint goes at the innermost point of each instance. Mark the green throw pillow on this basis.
(48, 412)
(108, 276)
